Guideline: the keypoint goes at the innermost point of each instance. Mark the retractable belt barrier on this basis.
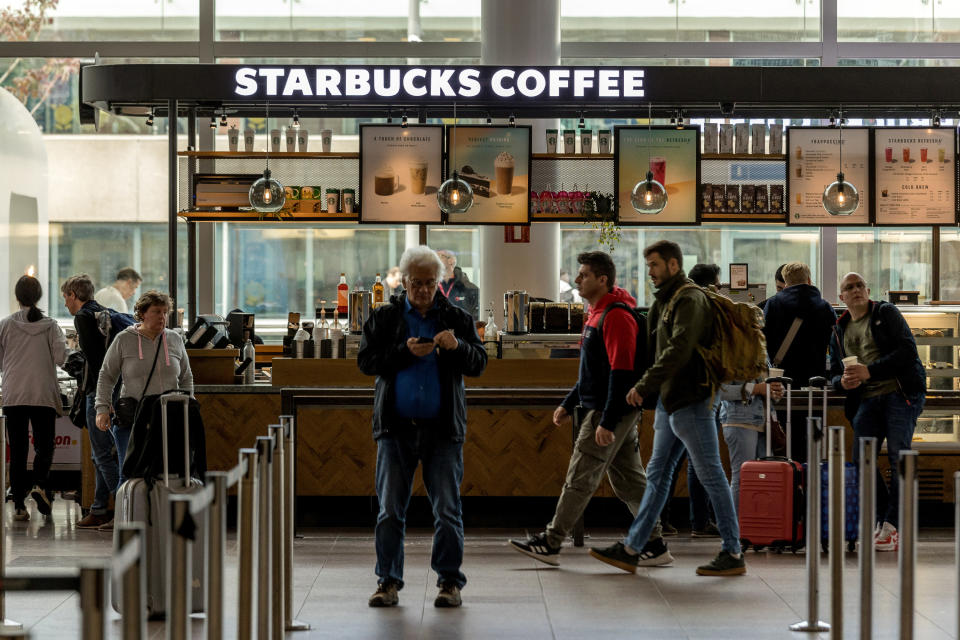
(837, 513)
(908, 539)
(868, 518)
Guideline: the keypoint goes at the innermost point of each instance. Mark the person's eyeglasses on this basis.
(422, 284)
(852, 286)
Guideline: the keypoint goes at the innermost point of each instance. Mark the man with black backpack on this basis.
(682, 330)
(612, 354)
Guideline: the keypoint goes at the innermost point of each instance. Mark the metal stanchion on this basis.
(868, 509)
(277, 532)
(133, 583)
(290, 504)
(179, 579)
(956, 529)
(813, 622)
(265, 537)
(908, 540)
(4, 623)
(216, 543)
(247, 544)
(93, 602)
(14, 634)
(836, 512)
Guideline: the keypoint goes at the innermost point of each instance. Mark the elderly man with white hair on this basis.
(419, 346)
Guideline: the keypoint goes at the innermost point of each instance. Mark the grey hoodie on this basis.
(29, 355)
(131, 355)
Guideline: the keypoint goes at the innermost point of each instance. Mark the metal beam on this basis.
(333, 50)
(106, 49)
(659, 50)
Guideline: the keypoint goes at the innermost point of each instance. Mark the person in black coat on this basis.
(419, 346)
(806, 355)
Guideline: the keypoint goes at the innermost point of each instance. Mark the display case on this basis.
(935, 329)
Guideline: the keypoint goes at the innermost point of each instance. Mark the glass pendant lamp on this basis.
(841, 198)
(455, 195)
(649, 197)
(266, 194)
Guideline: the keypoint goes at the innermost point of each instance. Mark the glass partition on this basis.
(890, 259)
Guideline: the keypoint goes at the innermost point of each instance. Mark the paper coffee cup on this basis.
(275, 137)
(233, 138)
(775, 372)
(248, 137)
(326, 140)
(302, 137)
(291, 140)
(849, 360)
(552, 135)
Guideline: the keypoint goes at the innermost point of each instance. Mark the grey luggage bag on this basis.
(147, 500)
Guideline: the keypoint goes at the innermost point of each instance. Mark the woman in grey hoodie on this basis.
(32, 345)
(131, 357)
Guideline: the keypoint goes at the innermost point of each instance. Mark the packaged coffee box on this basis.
(776, 198)
(758, 139)
(726, 138)
(741, 138)
(746, 198)
(760, 199)
(719, 199)
(776, 139)
(732, 192)
(711, 141)
(706, 198)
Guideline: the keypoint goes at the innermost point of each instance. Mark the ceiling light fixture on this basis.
(583, 125)
(455, 195)
(296, 119)
(150, 118)
(841, 198)
(266, 194)
(403, 120)
(223, 118)
(936, 119)
(513, 121)
(649, 196)
(213, 122)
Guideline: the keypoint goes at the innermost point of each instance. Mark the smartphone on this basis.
(422, 340)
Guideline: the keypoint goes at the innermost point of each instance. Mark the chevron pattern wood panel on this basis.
(233, 421)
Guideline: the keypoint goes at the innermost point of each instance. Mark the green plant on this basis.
(600, 214)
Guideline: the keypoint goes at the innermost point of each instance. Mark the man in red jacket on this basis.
(610, 364)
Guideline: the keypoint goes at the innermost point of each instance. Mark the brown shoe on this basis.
(106, 526)
(449, 596)
(93, 521)
(385, 596)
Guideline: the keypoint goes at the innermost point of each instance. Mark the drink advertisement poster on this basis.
(813, 161)
(915, 171)
(495, 162)
(673, 156)
(400, 173)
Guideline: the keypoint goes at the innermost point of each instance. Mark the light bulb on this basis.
(455, 195)
(649, 197)
(266, 194)
(841, 198)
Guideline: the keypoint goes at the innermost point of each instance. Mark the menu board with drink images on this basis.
(915, 172)
(400, 173)
(813, 161)
(495, 162)
(673, 156)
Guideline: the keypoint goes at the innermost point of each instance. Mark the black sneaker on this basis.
(655, 554)
(724, 565)
(43, 500)
(709, 531)
(668, 529)
(538, 548)
(385, 595)
(616, 555)
(448, 597)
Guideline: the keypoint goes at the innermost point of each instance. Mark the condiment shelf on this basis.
(261, 155)
(937, 341)
(571, 156)
(254, 216)
(743, 217)
(744, 156)
(540, 340)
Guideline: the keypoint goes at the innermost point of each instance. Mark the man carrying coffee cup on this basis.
(873, 359)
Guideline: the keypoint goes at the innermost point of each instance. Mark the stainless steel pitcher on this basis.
(516, 308)
(359, 310)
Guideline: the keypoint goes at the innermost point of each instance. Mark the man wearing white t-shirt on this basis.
(116, 295)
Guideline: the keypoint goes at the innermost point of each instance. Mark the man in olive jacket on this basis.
(679, 321)
(419, 346)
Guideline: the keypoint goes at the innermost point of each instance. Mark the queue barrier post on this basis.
(290, 505)
(179, 565)
(132, 579)
(277, 581)
(836, 513)
(956, 543)
(5, 625)
(247, 533)
(908, 540)
(265, 537)
(93, 589)
(813, 624)
(868, 509)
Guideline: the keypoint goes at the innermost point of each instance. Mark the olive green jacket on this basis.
(678, 372)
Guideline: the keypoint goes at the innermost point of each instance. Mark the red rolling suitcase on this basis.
(771, 496)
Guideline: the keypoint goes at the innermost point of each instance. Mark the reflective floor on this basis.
(511, 596)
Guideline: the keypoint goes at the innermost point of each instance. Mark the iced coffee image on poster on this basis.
(671, 156)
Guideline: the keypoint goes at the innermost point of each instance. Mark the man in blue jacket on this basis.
(419, 346)
(886, 388)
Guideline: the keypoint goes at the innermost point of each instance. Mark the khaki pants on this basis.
(620, 461)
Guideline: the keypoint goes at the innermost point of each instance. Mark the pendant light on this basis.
(649, 197)
(455, 195)
(841, 198)
(266, 194)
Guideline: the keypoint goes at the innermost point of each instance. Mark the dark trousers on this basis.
(43, 422)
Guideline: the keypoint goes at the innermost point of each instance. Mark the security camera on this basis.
(726, 108)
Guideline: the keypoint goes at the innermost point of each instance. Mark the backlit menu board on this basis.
(400, 173)
(673, 156)
(915, 173)
(495, 162)
(813, 161)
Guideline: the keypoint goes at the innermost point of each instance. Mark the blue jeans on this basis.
(892, 416)
(442, 460)
(744, 445)
(695, 428)
(104, 461)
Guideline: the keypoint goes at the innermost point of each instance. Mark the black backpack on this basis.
(640, 357)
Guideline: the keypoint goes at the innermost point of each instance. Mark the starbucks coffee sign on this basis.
(440, 84)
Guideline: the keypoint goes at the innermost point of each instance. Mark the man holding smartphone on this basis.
(419, 346)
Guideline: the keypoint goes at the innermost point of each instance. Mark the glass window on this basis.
(327, 21)
(762, 249)
(119, 20)
(272, 269)
(463, 243)
(949, 264)
(890, 259)
(898, 21)
(101, 249)
(690, 21)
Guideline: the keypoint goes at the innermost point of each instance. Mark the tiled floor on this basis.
(511, 596)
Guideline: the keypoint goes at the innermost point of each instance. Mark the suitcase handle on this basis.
(183, 398)
(786, 382)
